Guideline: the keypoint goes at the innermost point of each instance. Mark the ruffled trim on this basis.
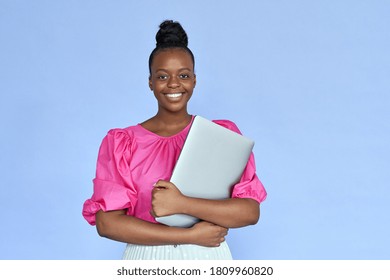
(108, 196)
(253, 189)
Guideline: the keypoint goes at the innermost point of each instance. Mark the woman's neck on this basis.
(165, 119)
(167, 124)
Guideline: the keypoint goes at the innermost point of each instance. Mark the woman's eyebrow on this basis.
(165, 70)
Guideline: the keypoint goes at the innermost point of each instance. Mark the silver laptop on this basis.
(211, 162)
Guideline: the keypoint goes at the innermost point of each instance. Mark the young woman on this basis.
(134, 165)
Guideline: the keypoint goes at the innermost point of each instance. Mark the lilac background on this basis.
(307, 80)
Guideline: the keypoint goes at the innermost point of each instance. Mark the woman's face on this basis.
(172, 80)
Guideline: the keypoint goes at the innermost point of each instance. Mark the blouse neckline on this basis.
(186, 128)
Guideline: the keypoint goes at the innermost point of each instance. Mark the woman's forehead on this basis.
(172, 57)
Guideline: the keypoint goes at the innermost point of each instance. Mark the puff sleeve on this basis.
(112, 186)
(249, 185)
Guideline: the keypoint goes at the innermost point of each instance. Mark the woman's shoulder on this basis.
(228, 124)
(127, 132)
(132, 133)
(120, 136)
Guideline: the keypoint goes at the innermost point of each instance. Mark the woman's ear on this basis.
(194, 80)
(150, 83)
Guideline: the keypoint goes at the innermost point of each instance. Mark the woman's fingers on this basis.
(209, 235)
(163, 184)
(166, 199)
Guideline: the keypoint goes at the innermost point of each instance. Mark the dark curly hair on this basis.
(170, 35)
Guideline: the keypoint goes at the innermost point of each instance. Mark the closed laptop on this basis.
(211, 162)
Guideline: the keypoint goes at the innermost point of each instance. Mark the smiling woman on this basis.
(134, 165)
(171, 77)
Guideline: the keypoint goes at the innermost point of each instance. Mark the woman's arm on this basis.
(228, 213)
(118, 226)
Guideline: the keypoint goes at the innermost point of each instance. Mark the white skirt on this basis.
(177, 252)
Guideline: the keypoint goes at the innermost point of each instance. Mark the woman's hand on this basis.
(208, 234)
(166, 199)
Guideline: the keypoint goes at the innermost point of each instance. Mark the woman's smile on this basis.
(174, 96)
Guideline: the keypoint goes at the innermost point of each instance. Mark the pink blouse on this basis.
(132, 159)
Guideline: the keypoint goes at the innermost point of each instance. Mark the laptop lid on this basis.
(211, 162)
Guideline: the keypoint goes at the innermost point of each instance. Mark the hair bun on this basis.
(171, 34)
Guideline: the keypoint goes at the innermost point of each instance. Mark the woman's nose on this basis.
(173, 82)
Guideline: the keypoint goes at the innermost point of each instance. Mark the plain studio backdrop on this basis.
(307, 80)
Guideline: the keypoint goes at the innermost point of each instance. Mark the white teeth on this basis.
(174, 95)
